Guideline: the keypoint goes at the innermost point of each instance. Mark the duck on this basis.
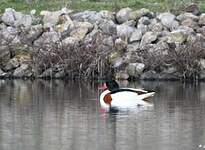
(115, 97)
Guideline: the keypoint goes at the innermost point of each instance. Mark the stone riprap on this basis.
(134, 44)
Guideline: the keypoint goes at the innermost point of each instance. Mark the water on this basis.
(65, 115)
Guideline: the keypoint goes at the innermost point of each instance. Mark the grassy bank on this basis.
(79, 5)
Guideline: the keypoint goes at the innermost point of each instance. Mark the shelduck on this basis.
(115, 97)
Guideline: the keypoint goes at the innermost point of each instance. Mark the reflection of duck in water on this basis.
(115, 97)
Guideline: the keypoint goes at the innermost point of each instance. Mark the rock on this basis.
(158, 27)
(90, 16)
(9, 34)
(186, 30)
(122, 75)
(2, 74)
(13, 18)
(105, 14)
(202, 64)
(60, 74)
(85, 24)
(178, 36)
(108, 41)
(12, 64)
(136, 35)
(185, 16)
(148, 38)
(123, 15)
(8, 17)
(167, 19)
(202, 19)
(29, 35)
(133, 47)
(189, 23)
(192, 8)
(48, 73)
(135, 69)
(131, 57)
(108, 27)
(23, 71)
(135, 15)
(70, 42)
(202, 75)
(116, 60)
(144, 21)
(47, 39)
(131, 23)
(124, 31)
(51, 18)
(149, 75)
(120, 44)
(25, 20)
(143, 28)
(65, 26)
(4, 55)
(79, 33)
(201, 30)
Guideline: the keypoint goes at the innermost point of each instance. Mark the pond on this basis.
(65, 115)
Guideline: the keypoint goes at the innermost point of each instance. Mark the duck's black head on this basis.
(112, 85)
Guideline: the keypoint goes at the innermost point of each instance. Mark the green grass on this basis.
(114, 5)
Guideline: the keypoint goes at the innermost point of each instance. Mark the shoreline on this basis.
(127, 45)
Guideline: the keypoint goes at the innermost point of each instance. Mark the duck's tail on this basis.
(146, 96)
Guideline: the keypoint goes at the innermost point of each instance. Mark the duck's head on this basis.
(110, 85)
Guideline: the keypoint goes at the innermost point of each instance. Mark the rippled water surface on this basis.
(65, 115)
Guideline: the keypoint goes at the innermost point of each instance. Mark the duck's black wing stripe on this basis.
(126, 90)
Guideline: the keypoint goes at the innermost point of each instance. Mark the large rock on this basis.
(148, 38)
(51, 18)
(84, 24)
(29, 35)
(8, 17)
(79, 33)
(90, 16)
(157, 27)
(135, 69)
(202, 64)
(23, 71)
(136, 35)
(5, 55)
(192, 8)
(133, 47)
(10, 35)
(167, 19)
(13, 18)
(178, 36)
(189, 23)
(143, 28)
(135, 15)
(70, 42)
(123, 15)
(48, 39)
(12, 64)
(125, 31)
(120, 44)
(202, 19)
(105, 14)
(116, 60)
(144, 20)
(185, 16)
(108, 27)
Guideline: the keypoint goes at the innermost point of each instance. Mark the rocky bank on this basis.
(128, 44)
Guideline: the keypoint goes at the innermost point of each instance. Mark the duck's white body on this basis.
(126, 99)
